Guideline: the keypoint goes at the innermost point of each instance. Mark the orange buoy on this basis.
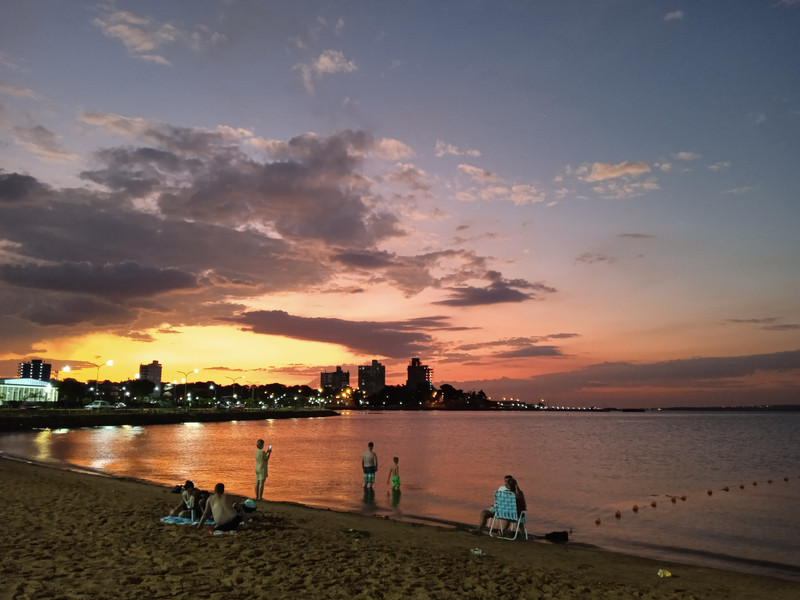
(635, 508)
(597, 521)
(710, 492)
(618, 515)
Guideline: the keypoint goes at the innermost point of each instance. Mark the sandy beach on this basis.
(75, 535)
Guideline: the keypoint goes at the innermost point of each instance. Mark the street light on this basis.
(108, 363)
(186, 380)
(233, 379)
(252, 391)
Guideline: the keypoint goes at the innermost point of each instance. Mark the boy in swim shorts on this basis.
(394, 474)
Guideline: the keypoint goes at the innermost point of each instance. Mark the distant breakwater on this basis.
(21, 420)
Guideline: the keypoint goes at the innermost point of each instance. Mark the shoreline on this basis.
(82, 418)
(650, 552)
(118, 547)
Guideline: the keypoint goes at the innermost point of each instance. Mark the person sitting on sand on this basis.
(394, 474)
(188, 501)
(227, 514)
(487, 513)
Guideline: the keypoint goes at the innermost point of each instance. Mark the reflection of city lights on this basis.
(42, 441)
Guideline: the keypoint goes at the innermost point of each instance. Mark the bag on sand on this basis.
(557, 537)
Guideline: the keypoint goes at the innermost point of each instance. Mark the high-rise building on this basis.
(35, 369)
(337, 380)
(420, 377)
(151, 372)
(371, 378)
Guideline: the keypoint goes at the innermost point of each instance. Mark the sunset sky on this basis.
(591, 202)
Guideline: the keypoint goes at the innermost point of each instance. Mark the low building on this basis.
(27, 390)
(337, 380)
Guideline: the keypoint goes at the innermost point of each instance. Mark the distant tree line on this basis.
(142, 393)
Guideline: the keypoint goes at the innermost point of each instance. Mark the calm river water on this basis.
(574, 468)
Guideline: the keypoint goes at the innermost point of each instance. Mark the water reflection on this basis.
(43, 445)
(369, 496)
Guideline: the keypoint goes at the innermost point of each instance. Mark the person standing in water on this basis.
(369, 462)
(394, 474)
(262, 460)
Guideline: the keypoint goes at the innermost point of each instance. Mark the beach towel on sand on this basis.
(183, 521)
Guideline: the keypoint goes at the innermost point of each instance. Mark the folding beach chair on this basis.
(505, 508)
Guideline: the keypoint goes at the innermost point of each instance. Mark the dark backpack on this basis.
(557, 537)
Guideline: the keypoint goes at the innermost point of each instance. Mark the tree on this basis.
(140, 388)
(71, 392)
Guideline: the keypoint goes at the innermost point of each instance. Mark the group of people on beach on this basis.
(225, 511)
(228, 514)
(198, 505)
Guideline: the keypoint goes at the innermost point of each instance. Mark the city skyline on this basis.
(593, 203)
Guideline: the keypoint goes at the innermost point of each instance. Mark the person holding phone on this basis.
(262, 460)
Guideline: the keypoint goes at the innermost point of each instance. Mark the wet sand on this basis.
(73, 535)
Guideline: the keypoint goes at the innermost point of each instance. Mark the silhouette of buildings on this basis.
(151, 372)
(371, 378)
(35, 369)
(420, 377)
(336, 381)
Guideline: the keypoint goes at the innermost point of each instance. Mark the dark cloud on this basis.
(520, 347)
(531, 352)
(710, 381)
(591, 258)
(394, 339)
(315, 191)
(759, 321)
(15, 187)
(766, 323)
(109, 280)
(674, 373)
(365, 259)
(54, 310)
(495, 293)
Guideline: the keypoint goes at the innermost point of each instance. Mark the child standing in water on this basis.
(394, 474)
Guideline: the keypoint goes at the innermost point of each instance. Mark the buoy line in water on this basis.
(683, 498)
